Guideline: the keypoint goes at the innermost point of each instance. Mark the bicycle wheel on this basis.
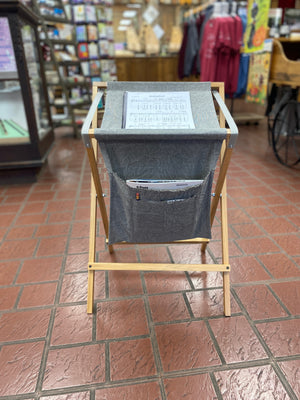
(286, 134)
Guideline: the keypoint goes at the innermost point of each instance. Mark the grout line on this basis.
(215, 342)
(155, 348)
(47, 346)
(215, 386)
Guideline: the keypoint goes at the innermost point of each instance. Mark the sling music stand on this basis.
(145, 215)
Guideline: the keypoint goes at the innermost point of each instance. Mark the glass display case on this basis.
(26, 132)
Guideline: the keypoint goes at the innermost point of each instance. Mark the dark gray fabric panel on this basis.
(191, 159)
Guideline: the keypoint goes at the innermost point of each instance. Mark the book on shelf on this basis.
(85, 67)
(79, 13)
(92, 32)
(102, 30)
(94, 67)
(83, 50)
(93, 50)
(81, 35)
(103, 47)
(90, 13)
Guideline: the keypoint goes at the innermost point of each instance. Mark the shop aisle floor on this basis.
(153, 335)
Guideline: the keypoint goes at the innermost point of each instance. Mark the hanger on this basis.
(198, 9)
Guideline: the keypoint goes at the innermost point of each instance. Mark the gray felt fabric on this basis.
(160, 215)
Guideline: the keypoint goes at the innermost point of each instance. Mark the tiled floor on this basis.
(153, 335)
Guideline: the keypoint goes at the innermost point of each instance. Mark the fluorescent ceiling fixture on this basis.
(129, 14)
(122, 28)
(134, 5)
(125, 22)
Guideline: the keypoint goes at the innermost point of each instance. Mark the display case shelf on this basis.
(26, 132)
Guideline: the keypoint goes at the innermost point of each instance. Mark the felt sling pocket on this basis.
(139, 215)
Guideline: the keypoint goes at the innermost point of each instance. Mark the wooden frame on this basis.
(219, 196)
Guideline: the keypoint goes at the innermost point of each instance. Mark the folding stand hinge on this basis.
(214, 194)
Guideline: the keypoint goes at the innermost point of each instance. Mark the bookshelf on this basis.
(68, 89)
(95, 38)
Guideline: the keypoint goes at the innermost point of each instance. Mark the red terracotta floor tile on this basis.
(60, 217)
(31, 219)
(40, 270)
(161, 282)
(259, 302)
(260, 190)
(71, 325)
(251, 384)
(3, 232)
(289, 294)
(24, 325)
(36, 207)
(279, 265)
(186, 254)
(131, 359)
(41, 195)
(6, 220)
(168, 307)
(259, 212)
(69, 396)
(248, 230)
(275, 199)
(277, 225)
(52, 246)
(80, 229)
(77, 263)
(185, 346)
(81, 245)
(190, 388)
(8, 270)
(14, 249)
(237, 340)
(247, 201)
(122, 318)
(65, 194)
(291, 370)
(9, 208)
(154, 255)
(238, 216)
(234, 250)
(21, 232)
(61, 205)
(282, 337)
(52, 230)
(289, 243)
(124, 283)
(8, 297)
(19, 365)
(258, 246)
(246, 269)
(74, 287)
(142, 391)
(38, 295)
(82, 213)
(284, 210)
(293, 196)
(204, 280)
(208, 303)
(75, 366)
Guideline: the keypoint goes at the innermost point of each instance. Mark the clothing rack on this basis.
(198, 9)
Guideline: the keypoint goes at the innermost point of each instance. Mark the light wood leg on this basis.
(90, 296)
(226, 291)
